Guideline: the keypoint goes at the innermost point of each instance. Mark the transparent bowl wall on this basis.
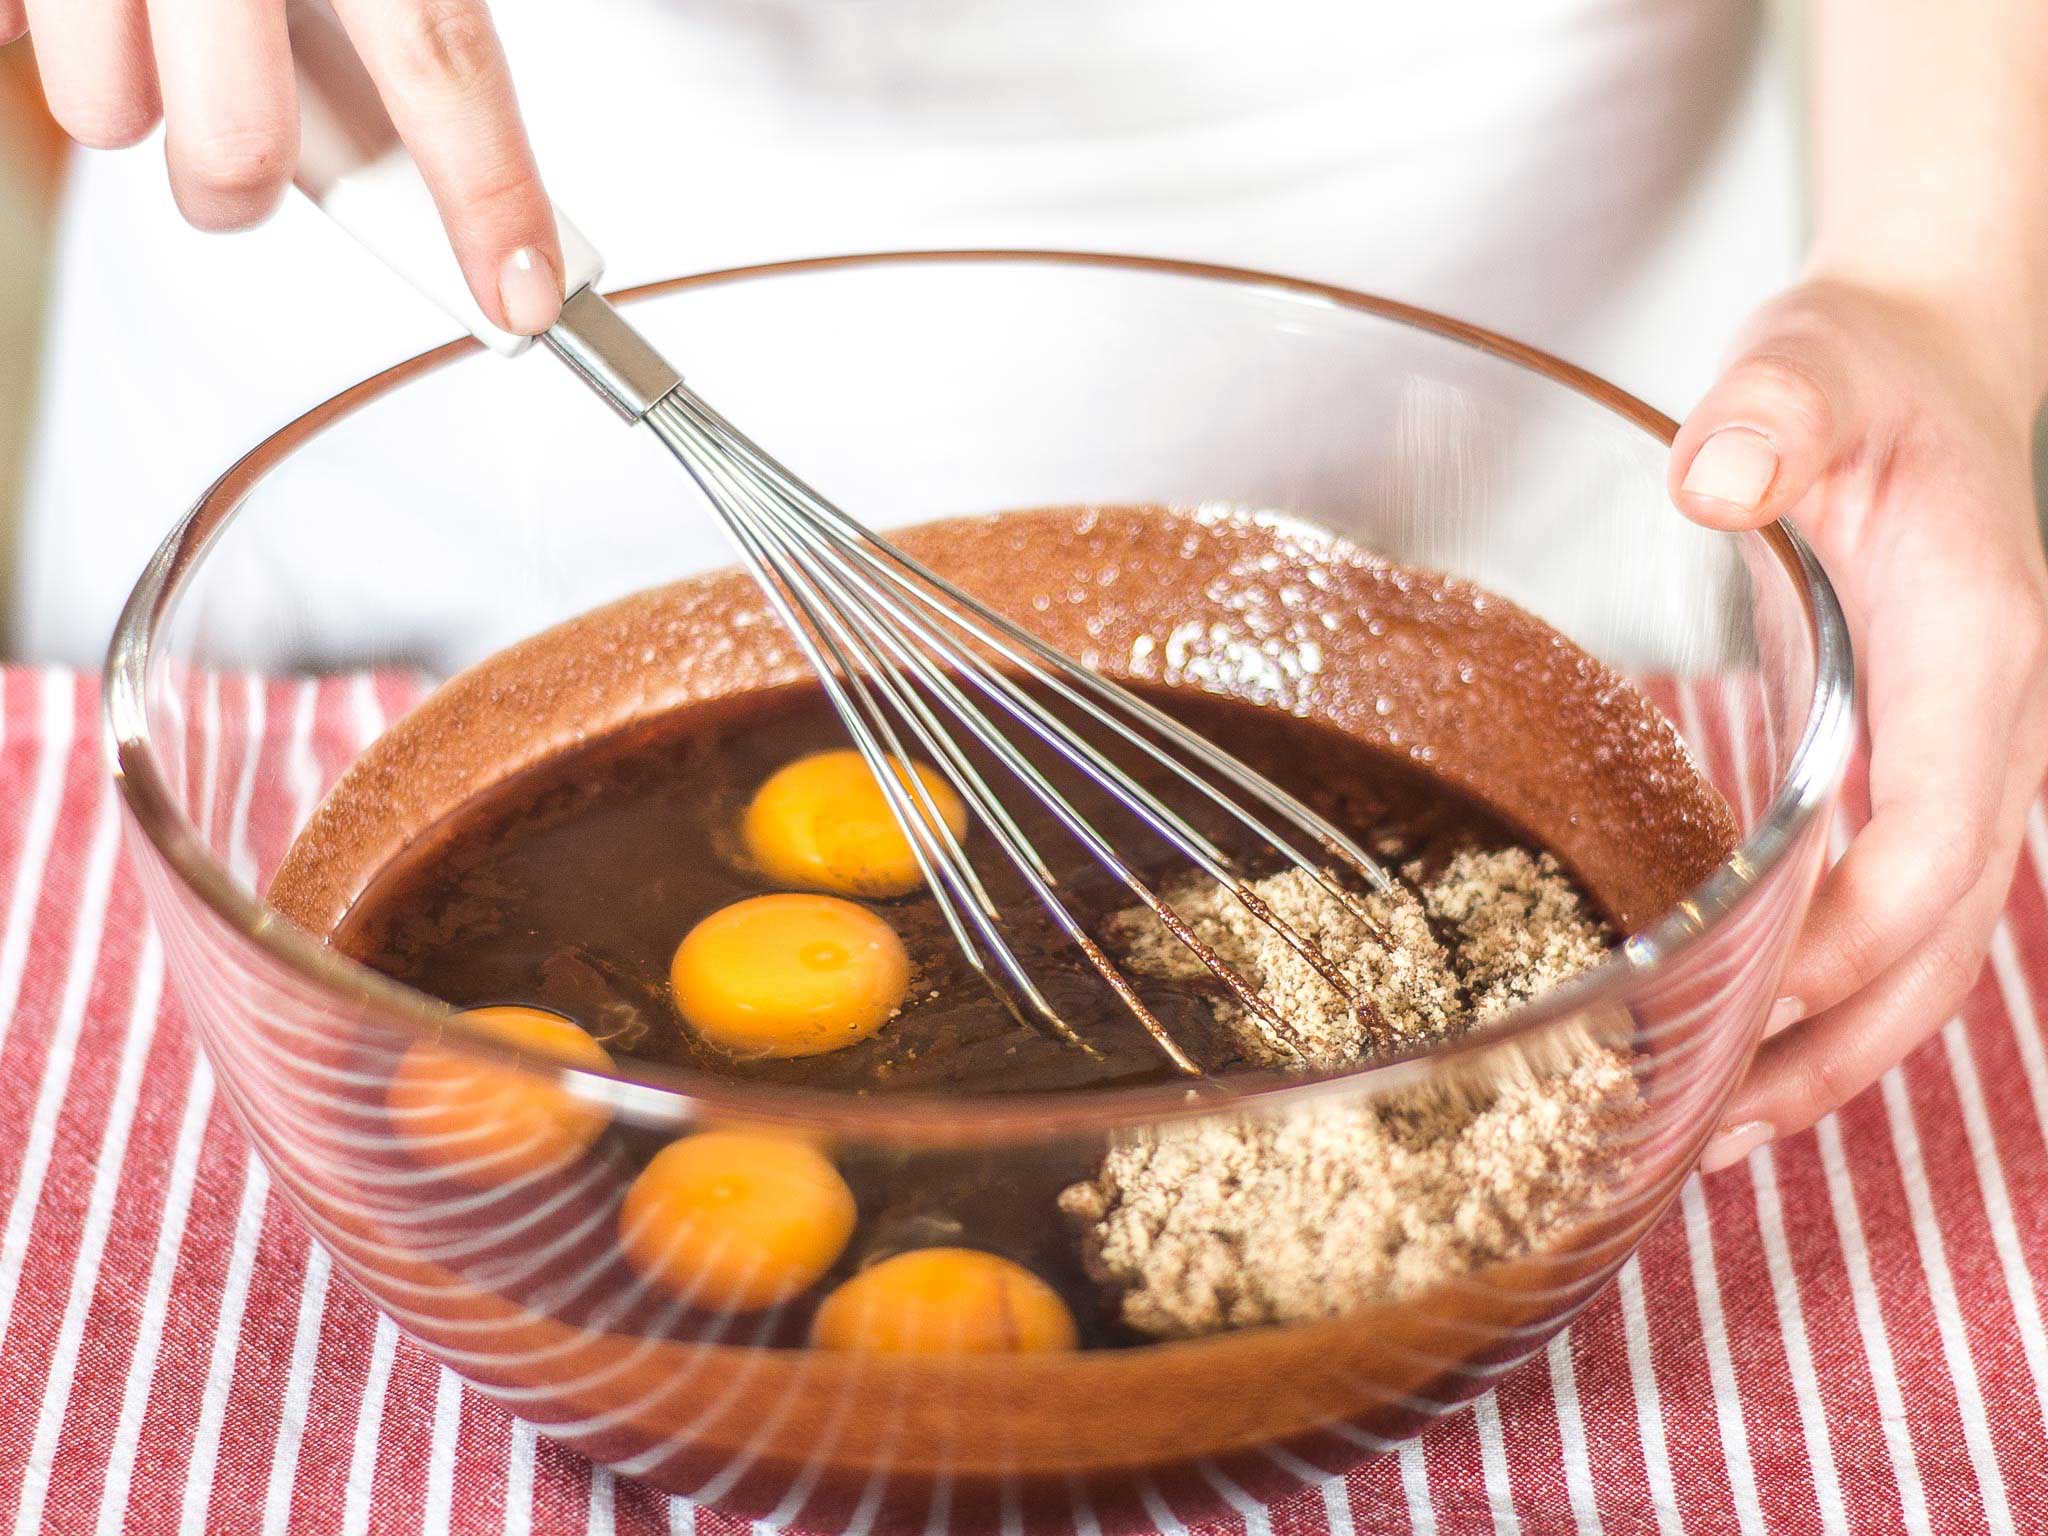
(909, 388)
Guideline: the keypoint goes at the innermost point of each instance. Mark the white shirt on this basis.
(1613, 180)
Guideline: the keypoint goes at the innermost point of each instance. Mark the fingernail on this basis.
(1735, 465)
(1785, 1012)
(530, 291)
(1733, 1145)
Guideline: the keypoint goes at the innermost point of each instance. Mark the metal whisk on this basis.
(908, 659)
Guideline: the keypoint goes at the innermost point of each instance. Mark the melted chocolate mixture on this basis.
(1401, 704)
(570, 886)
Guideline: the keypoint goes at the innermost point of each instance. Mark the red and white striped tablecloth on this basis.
(1846, 1334)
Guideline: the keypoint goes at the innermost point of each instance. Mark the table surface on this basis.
(1844, 1334)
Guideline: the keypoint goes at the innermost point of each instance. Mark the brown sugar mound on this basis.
(1234, 1222)
(1520, 928)
(1409, 983)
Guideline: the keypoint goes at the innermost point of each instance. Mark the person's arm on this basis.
(219, 73)
(1884, 404)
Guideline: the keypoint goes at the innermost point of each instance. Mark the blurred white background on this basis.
(33, 164)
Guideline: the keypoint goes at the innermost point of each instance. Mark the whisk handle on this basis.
(353, 166)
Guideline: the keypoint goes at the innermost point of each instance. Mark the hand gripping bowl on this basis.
(356, 542)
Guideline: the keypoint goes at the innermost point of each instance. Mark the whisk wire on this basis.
(856, 620)
(839, 602)
(1104, 772)
(776, 498)
(890, 561)
(1019, 848)
(863, 718)
(826, 637)
(1025, 855)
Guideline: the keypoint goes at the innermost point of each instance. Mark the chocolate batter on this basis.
(1383, 675)
(570, 886)
(1490, 701)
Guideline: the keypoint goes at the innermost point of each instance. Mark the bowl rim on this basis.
(652, 1094)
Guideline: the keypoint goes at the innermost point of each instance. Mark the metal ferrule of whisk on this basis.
(917, 667)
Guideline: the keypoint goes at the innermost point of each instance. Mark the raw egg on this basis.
(487, 1124)
(789, 975)
(823, 822)
(736, 1220)
(940, 1301)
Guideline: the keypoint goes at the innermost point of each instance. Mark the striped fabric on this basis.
(1846, 1334)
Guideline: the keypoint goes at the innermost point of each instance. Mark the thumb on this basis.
(1763, 434)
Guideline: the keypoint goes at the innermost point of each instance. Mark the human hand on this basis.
(1897, 441)
(219, 72)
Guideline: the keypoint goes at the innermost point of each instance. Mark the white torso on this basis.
(1610, 179)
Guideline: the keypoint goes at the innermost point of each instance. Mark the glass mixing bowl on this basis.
(427, 517)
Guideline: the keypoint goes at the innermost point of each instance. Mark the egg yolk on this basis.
(736, 1220)
(823, 822)
(937, 1301)
(487, 1124)
(789, 975)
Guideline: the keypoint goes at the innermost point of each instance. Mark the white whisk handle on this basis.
(353, 166)
(386, 206)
